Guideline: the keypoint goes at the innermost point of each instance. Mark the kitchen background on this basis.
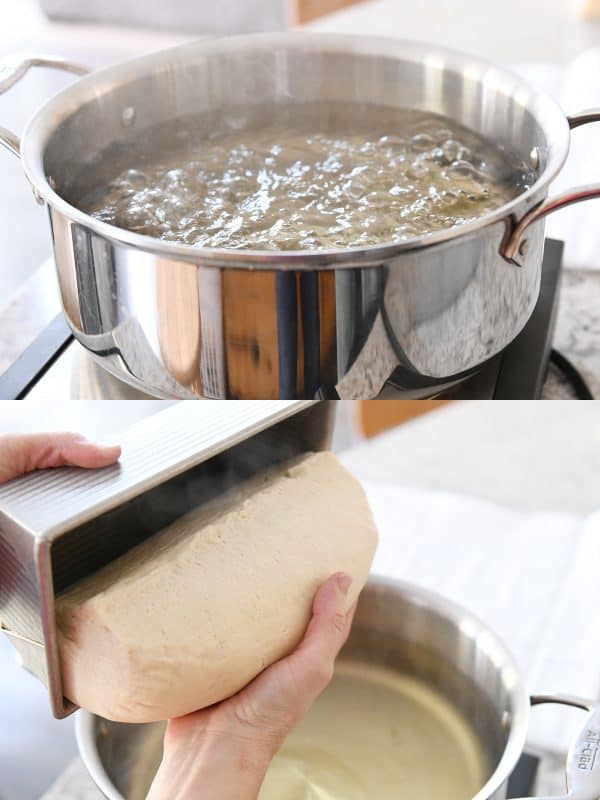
(496, 507)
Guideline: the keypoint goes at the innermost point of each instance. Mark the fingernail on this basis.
(107, 446)
(344, 581)
(106, 450)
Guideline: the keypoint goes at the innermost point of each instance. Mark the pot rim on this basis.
(45, 121)
(471, 626)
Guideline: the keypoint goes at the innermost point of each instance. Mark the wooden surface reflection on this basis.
(178, 307)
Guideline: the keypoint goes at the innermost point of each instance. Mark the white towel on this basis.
(531, 577)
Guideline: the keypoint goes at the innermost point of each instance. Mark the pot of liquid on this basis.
(296, 215)
(425, 702)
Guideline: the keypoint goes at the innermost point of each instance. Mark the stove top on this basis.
(56, 367)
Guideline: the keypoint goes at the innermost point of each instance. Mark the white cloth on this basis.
(530, 576)
(576, 88)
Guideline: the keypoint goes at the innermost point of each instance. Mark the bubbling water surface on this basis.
(308, 177)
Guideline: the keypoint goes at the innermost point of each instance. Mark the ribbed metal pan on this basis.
(58, 526)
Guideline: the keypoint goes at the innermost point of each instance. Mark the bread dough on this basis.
(190, 616)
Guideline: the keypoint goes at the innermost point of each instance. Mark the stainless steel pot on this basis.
(418, 633)
(176, 321)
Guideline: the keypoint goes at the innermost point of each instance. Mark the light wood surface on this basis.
(178, 309)
(327, 318)
(591, 9)
(376, 416)
(250, 327)
(307, 10)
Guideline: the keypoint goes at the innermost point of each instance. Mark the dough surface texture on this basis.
(193, 614)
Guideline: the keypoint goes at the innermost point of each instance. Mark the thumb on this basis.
(24, 453)
(326, 634)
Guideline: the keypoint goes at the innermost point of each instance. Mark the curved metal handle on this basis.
(583, 761)
(15, 67)
(515, 244)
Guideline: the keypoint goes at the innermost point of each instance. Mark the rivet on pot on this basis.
(128, 116)
(524, 247)
(534, 158)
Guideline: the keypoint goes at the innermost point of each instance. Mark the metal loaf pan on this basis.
(59, 526)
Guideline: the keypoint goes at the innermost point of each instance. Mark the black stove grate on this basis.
(522, 781)
(36, 360)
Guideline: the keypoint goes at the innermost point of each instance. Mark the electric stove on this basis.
(56, 367)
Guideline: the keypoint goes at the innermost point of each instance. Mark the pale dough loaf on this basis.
(190, 616)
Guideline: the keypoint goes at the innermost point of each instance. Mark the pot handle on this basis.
(515, 245)
(15, 67)
(583, 761)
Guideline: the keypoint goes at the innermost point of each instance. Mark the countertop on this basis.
(528, 456)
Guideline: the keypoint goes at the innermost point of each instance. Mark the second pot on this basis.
(414, 633)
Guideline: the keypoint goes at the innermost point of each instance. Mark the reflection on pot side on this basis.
(373, 732)
(378, 734)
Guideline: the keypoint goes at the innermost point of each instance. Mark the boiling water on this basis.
(316, 176)
(377, 734)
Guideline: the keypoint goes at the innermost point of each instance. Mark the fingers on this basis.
(81, 453)
(254, 723)
(20, 454)
(328, 629)
(268, 708)
(327, 632)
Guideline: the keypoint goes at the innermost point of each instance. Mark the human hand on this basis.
(223, 752)
(22, 453)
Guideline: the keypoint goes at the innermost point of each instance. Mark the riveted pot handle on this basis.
(515, 244)
(583, 761)
(13, 68)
